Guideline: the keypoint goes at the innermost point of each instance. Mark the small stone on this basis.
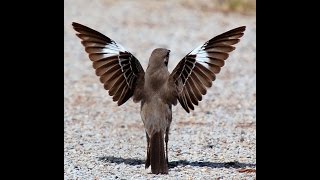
(210, 146)
(91, 166)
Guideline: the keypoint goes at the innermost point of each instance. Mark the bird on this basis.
(156, 89)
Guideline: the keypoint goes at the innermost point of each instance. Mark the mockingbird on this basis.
(157, 89)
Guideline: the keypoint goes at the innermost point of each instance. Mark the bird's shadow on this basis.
(172, 164)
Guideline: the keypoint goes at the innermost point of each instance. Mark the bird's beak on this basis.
(167, 58)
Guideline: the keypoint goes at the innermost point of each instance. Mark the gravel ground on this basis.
(104, 141)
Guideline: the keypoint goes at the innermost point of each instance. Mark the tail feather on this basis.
(156, 154)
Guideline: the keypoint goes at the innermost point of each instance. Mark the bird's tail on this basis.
(156, 154)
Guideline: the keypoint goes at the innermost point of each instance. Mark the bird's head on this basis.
(159, 56)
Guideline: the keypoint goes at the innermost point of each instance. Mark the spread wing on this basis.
(117, 68)
(196, 71)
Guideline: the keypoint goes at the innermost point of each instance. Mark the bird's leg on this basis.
(148, 152)
(166, 140)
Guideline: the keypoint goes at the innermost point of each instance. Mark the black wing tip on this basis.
(75, 24)
(185, 107)
(237, 30)
(119, 103)
(241, 29)
(82, 29)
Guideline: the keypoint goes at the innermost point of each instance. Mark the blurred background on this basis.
(228, 109)
(143, 25)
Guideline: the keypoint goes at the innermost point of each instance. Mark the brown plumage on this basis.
(157, 89)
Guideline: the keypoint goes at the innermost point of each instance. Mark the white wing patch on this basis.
(110, 50)
(201, 55)
(121, 48)
(204, 64)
